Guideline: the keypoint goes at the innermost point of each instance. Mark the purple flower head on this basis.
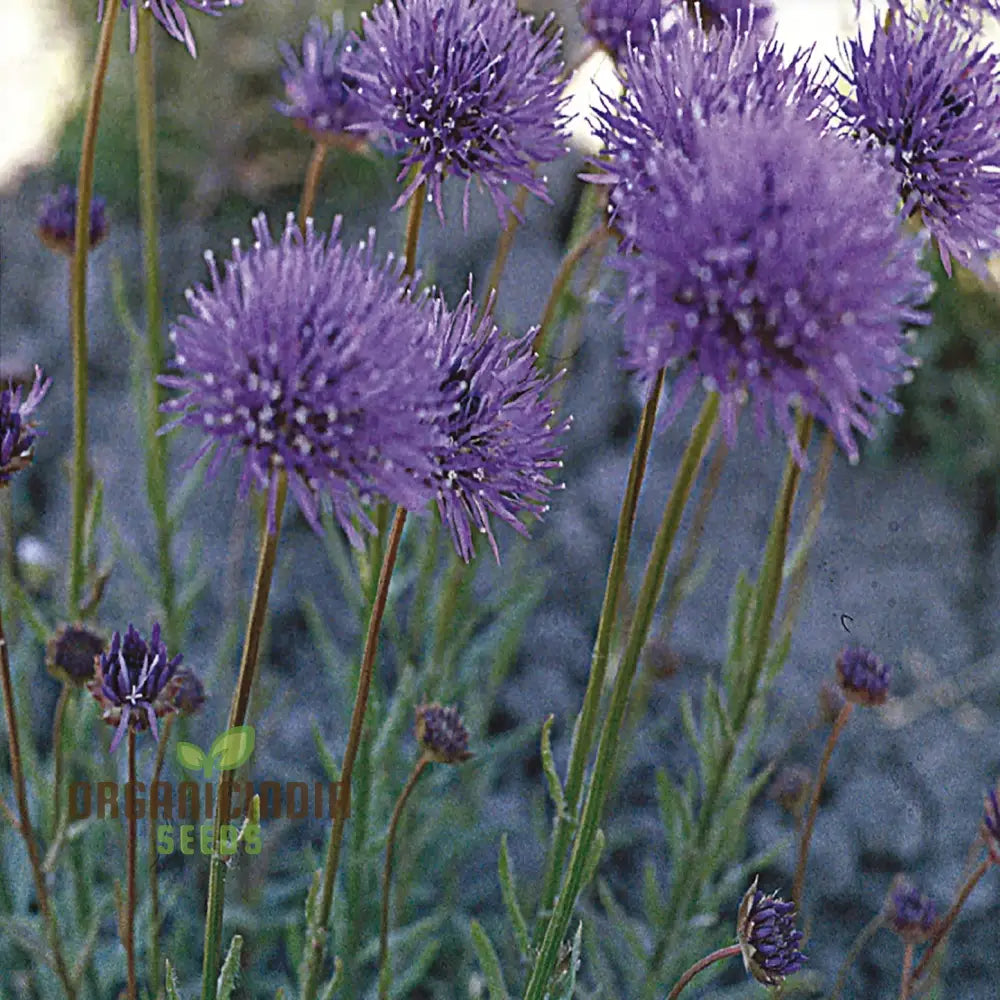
(57, 220)
(685, 79)
(772, 267)
(969, 12)
(911, 914)
(133, 682)
(747, 14)
(864, 677)
(171, 16)
(499, 437)
(616, 24)
(929, 94)
(768, 939)
(17, 432)
(312, 358)
(441, 734)
(188, 691)
(991, 822)
(321, 96)
(71, 654)
(466, 87)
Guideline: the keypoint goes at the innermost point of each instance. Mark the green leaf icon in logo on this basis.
(190, 756)
(232, 748)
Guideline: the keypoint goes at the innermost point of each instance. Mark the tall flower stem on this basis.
(807, 830)
(506, 242)
(904, 979)
(78, 307)
(316, 934)
(598, 788)
(583, 731)
(768, 590)
(155, 974)
(384, 974)
(413, 220)
(155, 444)
(867, 932)
(702, 963)
(949, 918)
(237, 717)
(57, 757)
(128, 924)
(313, 172)
(24, 822)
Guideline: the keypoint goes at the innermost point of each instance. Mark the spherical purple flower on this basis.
(71, 654)
(321, 96)
(133, 682)
(771, 265)
(682, 81)
(466, 87)
(311, 358)
(441, 734)
(991, 822)
(768, 939)
(864, 677)
(616, 24)
(17, 432)
(929, 94)
(171, 16)
(57, 220)
(911, 914)
(499, 436)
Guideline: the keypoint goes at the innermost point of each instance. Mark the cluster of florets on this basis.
(57, 220)
(617, 24)
(769, 941)
(441, 734)
(911, 914)
(863, 675)
(464, 88)
(132, 683)
(928, 93)
(71, 654)
(17, 432)
(170, 14)
(316, 361)
(322, 98)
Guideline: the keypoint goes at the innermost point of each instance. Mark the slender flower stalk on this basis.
(824, 764)
(270, 532)
(155, 446)
(78, 307)
(24, 826)
(866, 934)
(730, 951)
(597, 789)
(506, 242)
(315, 947)
(128, 924)
(313, 172)
(155, 971)
(384, 971)
(586, 722)
(57, 758)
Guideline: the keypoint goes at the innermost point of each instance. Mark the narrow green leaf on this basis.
(171, 982)
(593, 858)
(568, 986)
(549, 767)
(230, 968)
(326, 759)
(336, 980)
(488, 961)
(509, 894)
(232, 748)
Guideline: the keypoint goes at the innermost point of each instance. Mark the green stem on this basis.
(316, 934)
(413, 221)
(78, 307)
(566, 269)
(155, 974)
(949, 918)
(384, 973)
(702, 963)
(904, 980)
(769, 586)
(807, 830)
(155, 444)
(57, 755)
(237, 717)
(128, 924)
(597, 791)
(308, 200)
(583, 731)
(24, 823)
(505, 243)
(867, 932)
